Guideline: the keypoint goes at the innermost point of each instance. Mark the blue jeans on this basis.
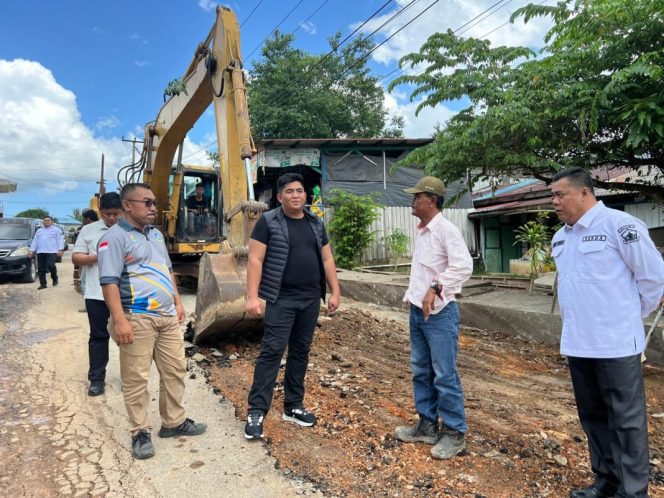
(436, 383)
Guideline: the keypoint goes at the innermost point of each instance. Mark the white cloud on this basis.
(309, 27)
(141, 63)
(452, 15)
(421, 126)
(207, 5)
(138, 38)
(107, 123)
(43, 142)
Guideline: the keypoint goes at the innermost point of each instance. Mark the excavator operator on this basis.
(198, 211)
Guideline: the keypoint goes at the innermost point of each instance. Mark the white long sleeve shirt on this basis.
(440, 254)
(48, 240)
(610, 276)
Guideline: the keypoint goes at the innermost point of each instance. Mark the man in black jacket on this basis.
(290, 261)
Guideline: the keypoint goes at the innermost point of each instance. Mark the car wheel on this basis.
(30, 274)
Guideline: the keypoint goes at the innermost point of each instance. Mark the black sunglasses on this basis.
(146, 202)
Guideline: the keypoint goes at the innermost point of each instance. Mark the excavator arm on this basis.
(214, 76)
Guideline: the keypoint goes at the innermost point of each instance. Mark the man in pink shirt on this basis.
(441, 263)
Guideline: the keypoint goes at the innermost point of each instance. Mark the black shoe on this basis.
(96, 388)
(186, 428)
(41, 287)
(254, 427)
(594, 492)
(300, 416)
(55, 282)
(141, 445)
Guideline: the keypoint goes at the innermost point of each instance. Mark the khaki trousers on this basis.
(157, 338)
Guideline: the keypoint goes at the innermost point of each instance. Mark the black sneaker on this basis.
(300, 416)
(422, 432)
(141, 445)
(254, 427)
(186, 428)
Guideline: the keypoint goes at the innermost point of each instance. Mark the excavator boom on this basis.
(214, 76)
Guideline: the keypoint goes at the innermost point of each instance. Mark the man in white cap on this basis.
(441, 263)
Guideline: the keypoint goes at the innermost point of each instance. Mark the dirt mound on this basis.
(524, 438)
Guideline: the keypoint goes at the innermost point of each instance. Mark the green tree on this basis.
(349, 227)
(535, 234)
(35, 213)
(294, 94)
(77, 213)
(595, 98)
(397, 244)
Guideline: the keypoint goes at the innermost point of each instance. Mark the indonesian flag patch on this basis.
(102, 246)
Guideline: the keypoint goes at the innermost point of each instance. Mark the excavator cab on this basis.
(200, 205)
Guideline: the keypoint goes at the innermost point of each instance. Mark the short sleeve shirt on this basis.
(138, 262)
(86, 243)
(302, 275)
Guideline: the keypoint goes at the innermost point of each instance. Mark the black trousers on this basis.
(46, 263)
(287, 323)
(610, 399)
(98, 315)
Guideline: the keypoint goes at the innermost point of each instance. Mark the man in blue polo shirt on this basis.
(139, 289)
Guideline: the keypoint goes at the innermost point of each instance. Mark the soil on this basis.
(524, 437)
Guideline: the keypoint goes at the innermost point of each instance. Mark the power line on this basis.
(275, 28)
(310, 16)
(334, 49)
(364, 58)
(252, 12)
(402, 71)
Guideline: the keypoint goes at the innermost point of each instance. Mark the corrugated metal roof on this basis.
(318, 143)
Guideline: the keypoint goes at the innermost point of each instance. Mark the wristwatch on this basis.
(436, 286)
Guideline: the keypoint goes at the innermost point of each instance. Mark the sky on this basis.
(77, 77)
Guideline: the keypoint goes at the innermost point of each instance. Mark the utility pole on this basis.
(102, 186)
(133, 147)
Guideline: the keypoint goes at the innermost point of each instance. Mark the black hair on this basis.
(440, 200)
(287, 178)
(110, 200)
(90, 214)
(578, 177)
(128, 188)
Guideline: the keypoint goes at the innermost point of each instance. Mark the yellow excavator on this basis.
(206, 229)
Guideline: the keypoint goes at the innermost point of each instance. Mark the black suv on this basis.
(16, 234)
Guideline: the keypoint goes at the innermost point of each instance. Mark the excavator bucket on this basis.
(221, 299)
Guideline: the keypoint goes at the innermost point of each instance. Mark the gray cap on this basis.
(428, 185)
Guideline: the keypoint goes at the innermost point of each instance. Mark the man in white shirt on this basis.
(48, 244)
(441, 263)
(85, 255)
(610, 276)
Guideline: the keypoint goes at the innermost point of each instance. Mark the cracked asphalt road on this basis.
(57, 441)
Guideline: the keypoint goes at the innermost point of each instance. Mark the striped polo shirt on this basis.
(137, 261)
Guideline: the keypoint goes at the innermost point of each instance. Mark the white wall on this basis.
(392, 218)
(651, 214)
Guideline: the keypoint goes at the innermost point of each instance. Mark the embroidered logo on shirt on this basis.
(629, 234)
(594, 238)
(559, 243)
(103, 246)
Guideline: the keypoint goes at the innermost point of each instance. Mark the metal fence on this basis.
(391, 219)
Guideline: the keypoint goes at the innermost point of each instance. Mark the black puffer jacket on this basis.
(276, 255)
